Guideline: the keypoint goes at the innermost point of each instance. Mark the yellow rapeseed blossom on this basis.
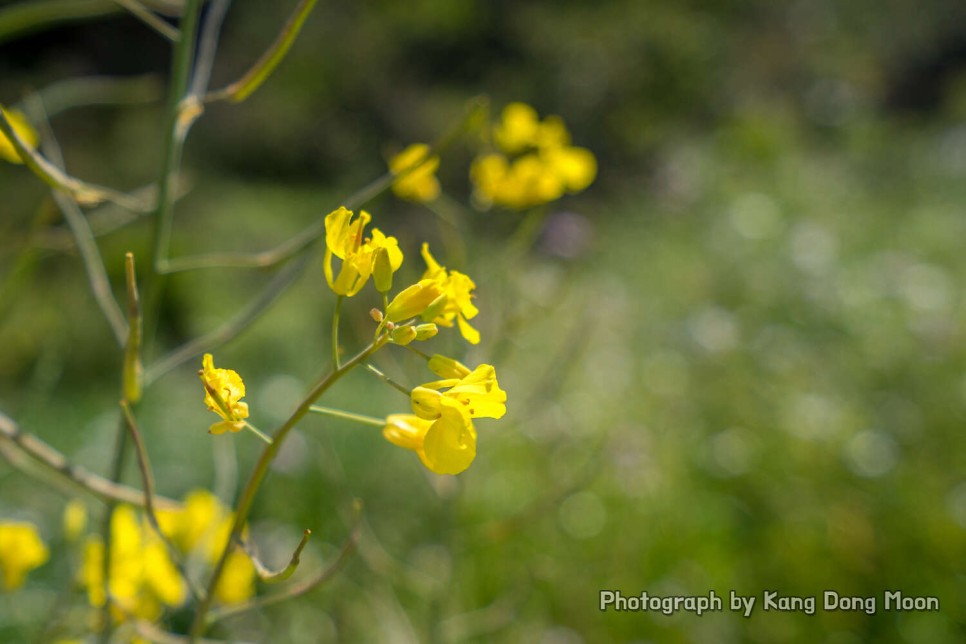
(201, 528)
(144, 580)
(344, 239)
(446, 445)
(24, 131)
(420, 182)
(456, 302)
(535, 163)
(21, 550)
(478, 392)
(224, 390)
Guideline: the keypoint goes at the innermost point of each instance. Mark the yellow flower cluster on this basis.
(143, 579)
(21, 550)
(417, 168)
(441, 296)
(377, 256)
(534, 164)
(440, 429)
(24, 131)
(224, 390)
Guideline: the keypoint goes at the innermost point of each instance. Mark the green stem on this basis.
(258, 475)
(145, 15)
(171, 156)
(348, 415)
(335, 331)
(258, 433)
(392, 383)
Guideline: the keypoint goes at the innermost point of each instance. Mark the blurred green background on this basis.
(736, 362)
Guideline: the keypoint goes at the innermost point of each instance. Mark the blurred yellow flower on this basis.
(446, 445)
(224, 390)
(144, 580)
(75, 519)
(344, 239)
(518, 128)
(535, 163)
(456, 302)
(24, 131)
(419, 182)
(21, 550)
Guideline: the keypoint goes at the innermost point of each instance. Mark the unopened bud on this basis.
(426, 331)
(375, 314)
(413, 300)
(448, 368)
(382, 270)
(403, 335)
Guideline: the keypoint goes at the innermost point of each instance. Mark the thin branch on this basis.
(14, 443)
(392, 383)
(232, 327)
(348, 546)
(171, 156)
(100, 90)
(147, 479)
(264, 66)
(132, 375)
(303, 239)
(207, 46)
(50, 174)
(94, 266)
(145, 15)
(269, 576)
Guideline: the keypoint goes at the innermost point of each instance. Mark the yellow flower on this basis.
(446, 445)
(21, 550)
(344, 238)
(419, 183)
(576, 167)
(456, 303)
(143, 578)
(23, 130)
(202, 527)
(478, 392)
(224, 390)
(518, 129)
(535, 165)
(237, 581)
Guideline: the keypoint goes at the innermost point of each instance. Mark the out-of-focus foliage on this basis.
(736, 362)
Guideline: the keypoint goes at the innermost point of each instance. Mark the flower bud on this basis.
(426, 331)
(382, 270)
(403, 335)
(412, 301)
(447, 367)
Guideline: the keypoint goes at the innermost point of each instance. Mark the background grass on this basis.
(736, 362)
